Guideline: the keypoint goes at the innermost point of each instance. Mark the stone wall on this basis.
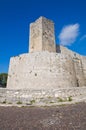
(42, 36)
(48, 36)
(35, 39)
(42, 96)
(79, 64)
(84, 66)
(41, 70)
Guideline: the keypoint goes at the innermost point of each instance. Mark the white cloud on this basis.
(83, 37)
(69, 34)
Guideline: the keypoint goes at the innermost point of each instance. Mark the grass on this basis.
(60, 99)
(19, 102)
(49, 97)
(4, 102)
(70, 99)
(32, 101)
(52, 102)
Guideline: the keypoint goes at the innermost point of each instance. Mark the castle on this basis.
(47, 65)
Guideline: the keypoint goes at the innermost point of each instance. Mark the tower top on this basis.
(41, 18)
(42, 36)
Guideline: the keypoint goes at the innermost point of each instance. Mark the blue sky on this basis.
(16, 15)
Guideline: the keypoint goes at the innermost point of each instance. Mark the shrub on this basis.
(32, 101)
(3, 79)
(4, 102)
(60, 99)
(70, 99)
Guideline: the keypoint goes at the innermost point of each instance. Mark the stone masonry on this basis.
(42, 97)
(42, 36)
(46, 66)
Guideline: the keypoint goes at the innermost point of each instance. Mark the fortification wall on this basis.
(84, 66)
(79, 65)
(41, 70)
(44, 68)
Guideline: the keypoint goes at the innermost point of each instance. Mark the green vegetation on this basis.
(3, 79)
(19, 102)
(60, 99)
(70, 99)
(32, 101)
(52, 102)
(4, 102)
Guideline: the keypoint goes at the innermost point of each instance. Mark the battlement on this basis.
(42, 37)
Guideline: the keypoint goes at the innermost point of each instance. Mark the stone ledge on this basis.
(42, 97)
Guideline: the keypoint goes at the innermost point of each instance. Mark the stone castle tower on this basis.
(45, 67)
(42, 37)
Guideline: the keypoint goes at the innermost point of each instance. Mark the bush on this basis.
(70, 99)
(3, 79)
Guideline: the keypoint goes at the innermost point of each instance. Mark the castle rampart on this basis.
(43, 67)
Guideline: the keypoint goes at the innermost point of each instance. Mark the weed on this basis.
(60, 99)
(4, 102)
(32, 101)
(51, 102)
(19, 102)
(70, 99)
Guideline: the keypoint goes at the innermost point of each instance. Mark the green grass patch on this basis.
(60, 99)
(19, 102)
(70, 99)
(4, 102)
(32, 101)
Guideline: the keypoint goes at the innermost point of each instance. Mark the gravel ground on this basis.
(65, 117)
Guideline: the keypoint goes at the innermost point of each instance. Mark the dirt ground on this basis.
(65, 117)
